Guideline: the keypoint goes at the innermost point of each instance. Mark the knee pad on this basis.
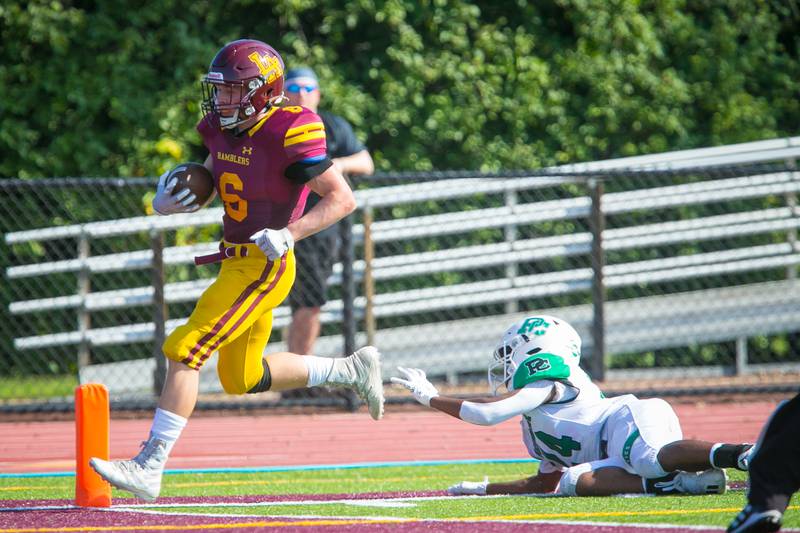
(240, 385)
(569, 479)
(265, 382)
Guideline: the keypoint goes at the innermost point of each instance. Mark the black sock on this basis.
(727, 455)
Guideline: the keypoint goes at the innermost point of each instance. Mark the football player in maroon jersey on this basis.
(265, 158)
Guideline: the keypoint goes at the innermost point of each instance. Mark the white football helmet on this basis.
(532, 334)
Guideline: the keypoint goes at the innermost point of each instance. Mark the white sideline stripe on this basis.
(291, 503)
(262, 517)
(341, 501)
(145, 508)
(39, 508)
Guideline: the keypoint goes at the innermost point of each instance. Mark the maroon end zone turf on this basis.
(104, 520)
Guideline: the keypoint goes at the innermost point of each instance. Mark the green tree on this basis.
(110, 88)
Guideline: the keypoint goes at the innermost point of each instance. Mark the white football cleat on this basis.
(361, 371)
(711, 481)
(141, 475)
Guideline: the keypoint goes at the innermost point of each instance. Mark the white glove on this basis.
(164, 203)
(415, 381)
(468, 487)
(273, 242)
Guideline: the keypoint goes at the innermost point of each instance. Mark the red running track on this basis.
(281, 440)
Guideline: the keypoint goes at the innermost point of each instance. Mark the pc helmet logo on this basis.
(534, 334)
(244, 78)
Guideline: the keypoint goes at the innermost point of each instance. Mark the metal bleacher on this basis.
(638, 324)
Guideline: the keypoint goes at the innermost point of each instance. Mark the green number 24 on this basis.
(564, 445)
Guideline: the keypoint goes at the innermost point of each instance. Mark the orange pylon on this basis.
(92, 416)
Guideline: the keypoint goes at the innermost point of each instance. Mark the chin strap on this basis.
(279, 101)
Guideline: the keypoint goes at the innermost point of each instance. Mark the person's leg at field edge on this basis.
(774, 472)
(304, 329)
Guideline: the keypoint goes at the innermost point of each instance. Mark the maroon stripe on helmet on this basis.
(228, 314)
(207, 353)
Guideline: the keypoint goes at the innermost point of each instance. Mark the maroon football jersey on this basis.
(249, 169)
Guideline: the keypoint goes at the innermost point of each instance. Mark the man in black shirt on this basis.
(316, 254)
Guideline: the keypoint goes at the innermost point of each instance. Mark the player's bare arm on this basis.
(337, 202)
(357, 163)
(538, 484)
(541, 483)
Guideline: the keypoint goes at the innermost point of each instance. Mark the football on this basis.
(196, 178)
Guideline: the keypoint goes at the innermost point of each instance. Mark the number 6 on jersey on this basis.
(235, 205)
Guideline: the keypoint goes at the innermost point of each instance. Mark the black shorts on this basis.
(315, 256)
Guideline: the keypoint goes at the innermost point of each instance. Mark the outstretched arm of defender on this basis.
(483, 411)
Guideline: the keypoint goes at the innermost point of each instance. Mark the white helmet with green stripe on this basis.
(537, 347)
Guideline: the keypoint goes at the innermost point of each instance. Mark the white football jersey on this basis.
(567, 431)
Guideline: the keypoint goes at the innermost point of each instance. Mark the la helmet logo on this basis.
(534, 324)
(269, 66)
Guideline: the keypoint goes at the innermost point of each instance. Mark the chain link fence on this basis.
(666, 274)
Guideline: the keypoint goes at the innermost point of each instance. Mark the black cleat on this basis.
(751, 520)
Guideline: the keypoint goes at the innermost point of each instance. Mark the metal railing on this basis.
(435, 269)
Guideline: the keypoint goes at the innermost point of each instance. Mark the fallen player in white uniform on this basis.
(588, 445)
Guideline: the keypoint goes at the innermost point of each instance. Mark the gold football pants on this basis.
(234, 317)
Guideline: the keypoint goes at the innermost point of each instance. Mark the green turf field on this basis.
(690, 510)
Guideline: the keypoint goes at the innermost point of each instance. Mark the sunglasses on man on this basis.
(296, 88)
